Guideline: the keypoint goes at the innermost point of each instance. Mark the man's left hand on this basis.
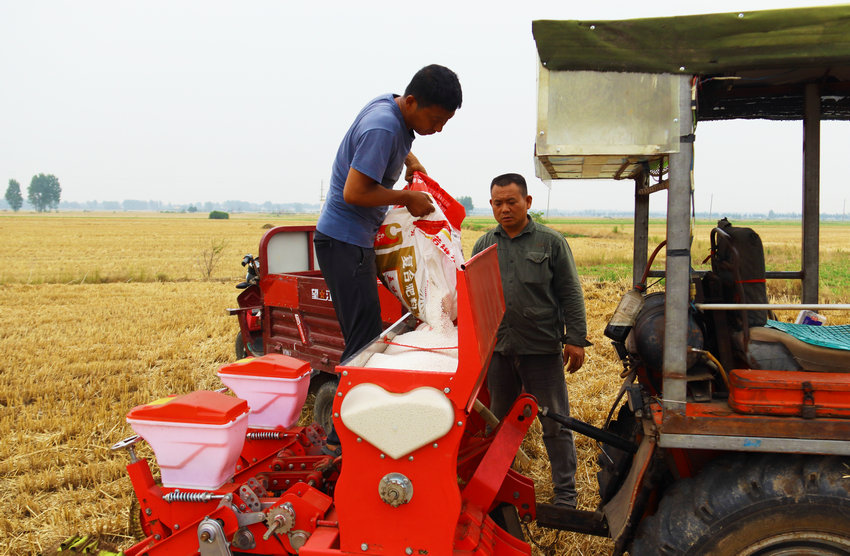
(413, 165)
(573, 357)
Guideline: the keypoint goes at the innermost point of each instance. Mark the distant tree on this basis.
(44, 192)
(466, 201)
(219, 215)
(13, 195)
(192, 208)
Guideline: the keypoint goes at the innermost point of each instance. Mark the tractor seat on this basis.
(783, 346)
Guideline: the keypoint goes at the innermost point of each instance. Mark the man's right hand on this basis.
(418, 203)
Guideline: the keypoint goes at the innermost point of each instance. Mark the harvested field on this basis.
(99, 313)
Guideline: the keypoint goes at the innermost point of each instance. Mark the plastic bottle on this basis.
(624, 316)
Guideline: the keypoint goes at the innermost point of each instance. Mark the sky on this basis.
(192, 101)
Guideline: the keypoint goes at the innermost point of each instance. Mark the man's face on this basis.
(510, 207)
(429, 120)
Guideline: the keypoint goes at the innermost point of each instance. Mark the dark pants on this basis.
(351, 276)
(542, 376)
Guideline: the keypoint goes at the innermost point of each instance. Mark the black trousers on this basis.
(351, 276)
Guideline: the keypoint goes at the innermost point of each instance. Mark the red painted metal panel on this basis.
(799, 393)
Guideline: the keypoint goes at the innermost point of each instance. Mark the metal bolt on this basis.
(157, 537)
(593, 27)
(675, 120)
(339, 394)
(242, 507)
(205, 536)
(344, 373)
(176, 526)
(364, 547)
(516, 495)
(336, 414)
(740, 16)
(383, 456)
(526, 411)
(274, 481)
(359, 439)
(238, 467)
(410, 458)
(447, 390)
(681, 68)
(408, 551)
(254, 460)
(435, 444)
(526, 518)
(542, 133)
(460, 423)
(148, 511)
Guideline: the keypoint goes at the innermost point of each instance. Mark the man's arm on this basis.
(571, 301)
(363, 191)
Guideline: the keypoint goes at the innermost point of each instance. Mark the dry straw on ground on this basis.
(102, 313)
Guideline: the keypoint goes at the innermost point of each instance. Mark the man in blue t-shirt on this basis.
(367, 166)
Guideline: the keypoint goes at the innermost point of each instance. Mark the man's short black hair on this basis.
(507, 179)
(436, 85)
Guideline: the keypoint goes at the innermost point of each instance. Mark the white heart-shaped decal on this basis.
(397, 424)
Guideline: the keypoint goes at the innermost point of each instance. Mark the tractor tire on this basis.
(323, 406)
(254, 350)
(240, 347)
(135, 529)
(767, 504)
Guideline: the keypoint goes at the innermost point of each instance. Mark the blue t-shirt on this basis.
(376, 145)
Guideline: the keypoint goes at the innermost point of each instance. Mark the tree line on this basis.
(43, 193)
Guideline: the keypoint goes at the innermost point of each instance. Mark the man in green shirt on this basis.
(544, 326)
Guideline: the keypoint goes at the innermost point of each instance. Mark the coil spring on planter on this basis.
(265, 435)
(177, 496)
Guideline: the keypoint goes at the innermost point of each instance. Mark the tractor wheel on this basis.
(323, 406)
(769, 504)
(255, 349)
(134, 521)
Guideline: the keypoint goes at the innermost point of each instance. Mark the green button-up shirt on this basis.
(544, 303)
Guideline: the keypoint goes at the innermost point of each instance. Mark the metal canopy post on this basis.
(811, 193)
(641, 228)
(678, 259)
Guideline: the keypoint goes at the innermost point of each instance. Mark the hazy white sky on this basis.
(188, 101)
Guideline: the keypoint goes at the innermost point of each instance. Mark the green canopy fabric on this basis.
(701, 44)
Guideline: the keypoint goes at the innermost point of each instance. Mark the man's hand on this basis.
(413, 165)
(573, 357)
(418, 203)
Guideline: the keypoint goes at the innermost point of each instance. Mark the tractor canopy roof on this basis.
(749, 64)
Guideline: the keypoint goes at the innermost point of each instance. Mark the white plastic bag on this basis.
(417, 260)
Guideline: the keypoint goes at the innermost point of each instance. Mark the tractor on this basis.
(731, 432)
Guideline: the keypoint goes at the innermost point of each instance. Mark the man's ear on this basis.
(410, 102)
(528, 201)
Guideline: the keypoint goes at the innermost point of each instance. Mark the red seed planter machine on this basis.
(417, 476)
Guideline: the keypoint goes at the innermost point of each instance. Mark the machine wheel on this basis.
(256, 348)
(769, 504)
(240, 347)
(323, 406)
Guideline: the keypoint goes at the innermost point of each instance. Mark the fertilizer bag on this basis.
(418, 258)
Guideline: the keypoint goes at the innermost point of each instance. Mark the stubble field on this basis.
(103, 312)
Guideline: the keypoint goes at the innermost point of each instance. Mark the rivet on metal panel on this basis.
(336, 414)
(447, 390)
(359, 439)
(364, 547)
(383, 456)
(460, 423)
(408, 551)
(681, 68)
(593, 27)
(435, 445)
(339, 394)
(344, 373)
(740, 16)
(410, 458)
(542, 133)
